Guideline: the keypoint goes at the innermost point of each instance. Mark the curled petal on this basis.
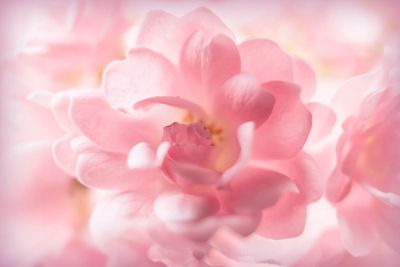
(63, 154)
(255, 189)
(242, 99)
(285, 132)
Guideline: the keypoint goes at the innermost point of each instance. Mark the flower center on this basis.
(215, 132)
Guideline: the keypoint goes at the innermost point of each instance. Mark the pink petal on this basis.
(242, 99)
(106, 127)
(63, 154)
(190, 60)
(356, 226)
(181, 207)
(177, 102)
(283, 135)
(266, 61)
(255, 189)
(286, 219)
(304, 76)
(220, 61)
(166, 34)
(103, 170)
(142, 75)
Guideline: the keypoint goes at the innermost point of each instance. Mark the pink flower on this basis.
(365, 183)
(221, 126)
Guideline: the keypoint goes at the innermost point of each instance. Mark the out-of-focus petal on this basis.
(304, 75)
(356, 227)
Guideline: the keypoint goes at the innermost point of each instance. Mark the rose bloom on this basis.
(365, 184)
(196, 133)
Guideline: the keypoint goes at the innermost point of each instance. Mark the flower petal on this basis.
(304, 75)
(108, 171)
(182, 207)
(173, 102)
(110, 129)
(63, 154)
(284, 133)
(266, 61)
(255, 189)
(286, 219)
(220, 61)
(166, 34)
(356, 227)
(242, 99)
(143, 74)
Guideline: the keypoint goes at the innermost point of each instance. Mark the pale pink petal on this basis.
(181, 207)
(106, 127)
(142, 75)
(220, 61)
(266, 61)
(104, 170)
(255, 189)
(63, 154)
(349, 97)
(241, 99)
(304, 75)
(285, 219)
(354, 218)
(166, 34)
(323, 121)
(284, 133)
(142, 156)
